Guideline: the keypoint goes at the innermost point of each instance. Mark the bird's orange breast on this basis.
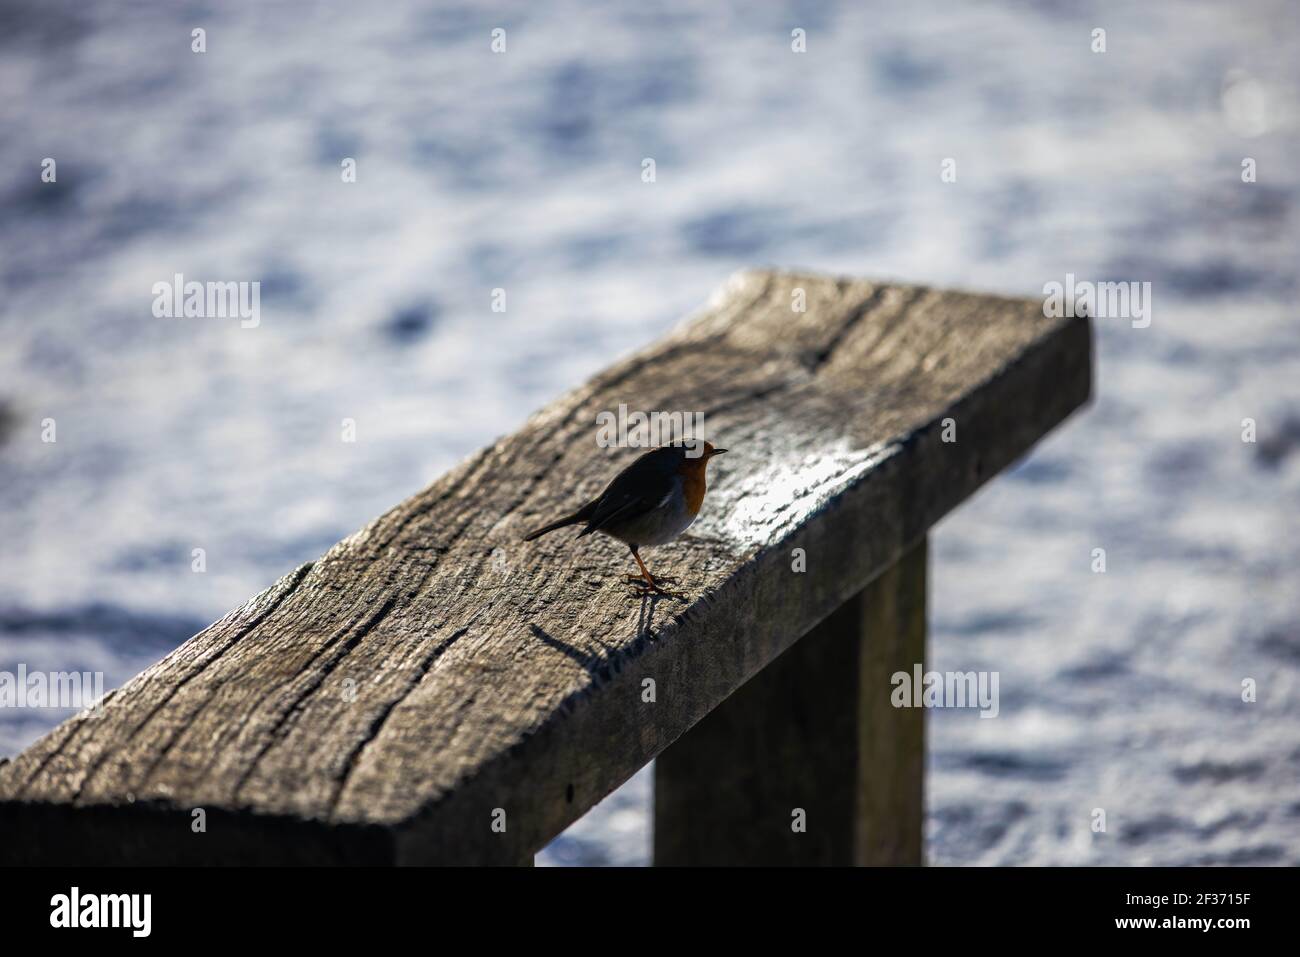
(693, 487)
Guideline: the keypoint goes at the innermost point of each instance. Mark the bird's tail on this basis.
(580, 515)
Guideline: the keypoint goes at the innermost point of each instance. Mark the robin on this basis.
(650, 502)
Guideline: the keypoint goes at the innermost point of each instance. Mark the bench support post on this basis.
(814, 730)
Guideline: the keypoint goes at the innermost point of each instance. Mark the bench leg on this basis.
(813, 732)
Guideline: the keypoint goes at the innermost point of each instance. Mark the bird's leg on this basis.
(645, 572)
(647, 581)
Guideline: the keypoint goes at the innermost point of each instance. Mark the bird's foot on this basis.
(660, 580)
(640, 588)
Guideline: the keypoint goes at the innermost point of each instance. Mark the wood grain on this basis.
(389, 701)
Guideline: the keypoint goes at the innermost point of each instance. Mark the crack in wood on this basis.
(294, 579)
(377, 725)
(277, 733)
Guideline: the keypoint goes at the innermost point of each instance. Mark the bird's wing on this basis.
(626, 500)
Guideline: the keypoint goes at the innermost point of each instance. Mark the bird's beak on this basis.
(716, 452)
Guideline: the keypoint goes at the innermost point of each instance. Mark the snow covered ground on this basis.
(522, 171)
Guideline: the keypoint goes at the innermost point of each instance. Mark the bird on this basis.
(650, 502)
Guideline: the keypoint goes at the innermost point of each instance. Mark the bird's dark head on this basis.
(696, 453)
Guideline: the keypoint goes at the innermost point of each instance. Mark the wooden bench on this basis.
(432, 690)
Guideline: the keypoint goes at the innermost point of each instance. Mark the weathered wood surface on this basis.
(812, 734)
(381, 703)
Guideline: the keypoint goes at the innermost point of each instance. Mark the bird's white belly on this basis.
(674, 520)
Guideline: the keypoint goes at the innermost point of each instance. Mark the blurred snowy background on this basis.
(522, 170)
